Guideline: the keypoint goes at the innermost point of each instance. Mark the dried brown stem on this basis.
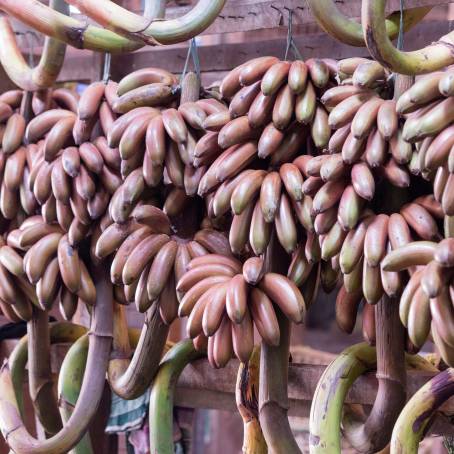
(41, 385)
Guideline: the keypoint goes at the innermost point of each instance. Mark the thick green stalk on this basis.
(162, 392)
(428, 59)
(151, 31)
(70, 382)
(349, 31)
(67, 29)
(50, 63)
(100, 341)
(419, 411)
(329, 397)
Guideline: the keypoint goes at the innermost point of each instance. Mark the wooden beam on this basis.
(201, 386)
(247, 15)
(224, 54)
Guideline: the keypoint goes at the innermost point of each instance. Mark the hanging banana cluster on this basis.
(427, 109)
(225, 299)
(148, 258)
(41, 252)
(426, 305)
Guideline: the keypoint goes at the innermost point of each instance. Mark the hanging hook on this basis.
(281, 16)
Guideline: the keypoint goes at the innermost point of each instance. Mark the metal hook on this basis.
(192, 52)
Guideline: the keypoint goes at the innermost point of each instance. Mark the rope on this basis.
(106, 68)
(193, 54)
(290, 40)
(400, 38)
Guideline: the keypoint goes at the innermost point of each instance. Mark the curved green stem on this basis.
(428, 59)
(417, 414)
(70, 382)
(374, 434)
(50, 63)
(67, 29)
(349, 31)
(162, 392)
(100, 341)
(151, 31)
(329, 396)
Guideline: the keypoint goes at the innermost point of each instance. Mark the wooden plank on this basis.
(200, 386)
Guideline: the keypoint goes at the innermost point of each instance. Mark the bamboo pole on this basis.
(152, 32)
(428, 59)
(349, 31)
(100, 340)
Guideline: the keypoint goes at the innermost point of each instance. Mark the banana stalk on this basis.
(152, 32)
(61, 332)
(329, 396)
(428, 59)
(162, 392)
(70, 382)
(51, 61)
(419, 411)
(66, 29)
(70, 377)
(129, 378)
(273, 398)
(349, 31)
(332, 389)
(41, 385)
(246, 401)
(374, 434)
(100, 341)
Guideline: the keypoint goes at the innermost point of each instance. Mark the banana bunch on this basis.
(148, 258)
(74, 186)
(426, 305)
(164, 141)
(17, 159)
(363, 250)
(274, 105)
(260, 199)
(40, 262)
(224, 300)
(426, 107)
